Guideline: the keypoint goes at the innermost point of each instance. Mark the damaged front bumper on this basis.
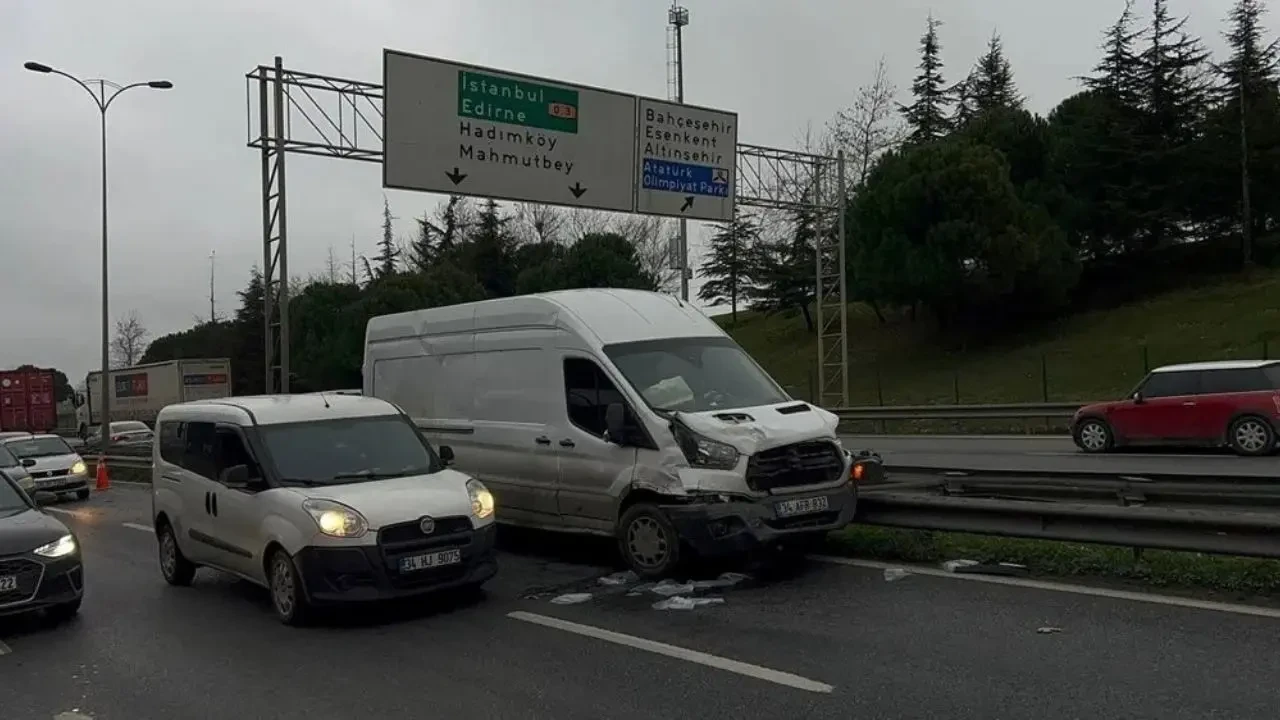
(739, 525)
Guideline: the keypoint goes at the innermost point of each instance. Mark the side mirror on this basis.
(28, 462)
(1137, 398)
(235, 477)
(615, 417)
(446, 454)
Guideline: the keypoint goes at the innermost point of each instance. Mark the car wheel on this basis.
(64, 612)
(1093, 436)
(1251, 436)
(175, 566)
(287, 596)
(82, 494)
(648, 541)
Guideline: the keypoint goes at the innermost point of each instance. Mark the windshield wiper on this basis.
(305, 482)
(367, 475)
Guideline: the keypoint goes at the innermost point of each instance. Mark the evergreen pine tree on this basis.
(927, 115)
(489, 252)
(388, 258)
(728, 267)
(991, 83)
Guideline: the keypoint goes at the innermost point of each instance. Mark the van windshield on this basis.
(332, 452)
(694, 374)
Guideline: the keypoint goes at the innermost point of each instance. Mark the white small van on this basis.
(617, 412)
(322, 499)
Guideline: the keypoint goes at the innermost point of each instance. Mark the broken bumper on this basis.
(739, 526)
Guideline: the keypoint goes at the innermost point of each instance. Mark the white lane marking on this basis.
(139, 526)
(1254, 610)
(694, 656)
(931, 436)
(4, 649)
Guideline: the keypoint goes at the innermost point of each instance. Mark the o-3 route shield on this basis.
(466, 130)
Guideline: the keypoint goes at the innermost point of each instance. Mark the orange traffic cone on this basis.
(104, 480)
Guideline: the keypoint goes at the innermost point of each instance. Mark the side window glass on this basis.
(198, 449)
(230, 451)
(171, 442)
(588, 391)
(1234, 381)
(1171, 384)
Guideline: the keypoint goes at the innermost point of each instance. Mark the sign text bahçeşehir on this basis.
(486, 103)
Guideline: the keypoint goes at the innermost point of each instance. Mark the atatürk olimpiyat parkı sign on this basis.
(465, 130)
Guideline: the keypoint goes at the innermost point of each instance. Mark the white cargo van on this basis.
(617, 412)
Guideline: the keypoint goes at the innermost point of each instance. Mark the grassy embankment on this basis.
(1094, 355)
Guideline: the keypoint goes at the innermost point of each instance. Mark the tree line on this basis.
(1163, 168)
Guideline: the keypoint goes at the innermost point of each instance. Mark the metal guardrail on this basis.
(1009, 411)
(1236, 516)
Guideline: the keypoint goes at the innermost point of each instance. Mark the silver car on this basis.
(53, 465)
(12, 469)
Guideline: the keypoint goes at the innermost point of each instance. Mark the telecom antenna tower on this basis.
(677, 18)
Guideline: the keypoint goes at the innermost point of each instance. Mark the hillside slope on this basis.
(1094, 355)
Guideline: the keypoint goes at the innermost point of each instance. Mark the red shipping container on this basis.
(26, 401)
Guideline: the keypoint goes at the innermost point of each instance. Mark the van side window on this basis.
(588, 391)
(230, 452)
(172, 444)
(198, 449)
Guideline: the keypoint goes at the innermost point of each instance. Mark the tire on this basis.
(648, 541)
(174, 566)
(64, 612)
(1251, 436)
(82, 494)
(288, 598)
(1093, 436)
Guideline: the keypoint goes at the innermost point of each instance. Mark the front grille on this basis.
(813, 462)
(410, 532)
(403, 539)
(42, 474)
(28, 573)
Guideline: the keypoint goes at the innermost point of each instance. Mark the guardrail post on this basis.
(881, 426)
(1146, 360)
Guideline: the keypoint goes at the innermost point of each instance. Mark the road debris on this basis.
(1048, 630)
(619, 578)
(892, 574)
(571, 599)
(680, 602)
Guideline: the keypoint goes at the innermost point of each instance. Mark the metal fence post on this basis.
(1146, 360)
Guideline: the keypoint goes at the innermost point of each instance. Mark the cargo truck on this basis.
(26, 401)
(139, 392)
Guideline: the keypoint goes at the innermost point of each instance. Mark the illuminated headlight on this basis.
(481, 499)
(79, 468)
(702, 452)
(61, 547)
(335, 519)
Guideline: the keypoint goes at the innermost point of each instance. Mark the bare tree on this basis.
(130, 341)
(870, 126)
(537, 223)
(651, 237)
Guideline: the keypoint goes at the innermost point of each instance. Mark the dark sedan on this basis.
(39, 558)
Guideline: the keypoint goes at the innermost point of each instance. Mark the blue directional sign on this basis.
(685, 158)
(684, 178)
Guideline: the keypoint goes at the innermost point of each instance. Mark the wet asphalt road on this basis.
(1033, 454)
(858, 646)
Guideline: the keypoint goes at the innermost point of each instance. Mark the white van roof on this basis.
(277, 409)
(602, 315)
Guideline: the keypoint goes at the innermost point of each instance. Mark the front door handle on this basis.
(566, 443)
(214, 498)
(1189, 403)
(544, 440)
(208, 504)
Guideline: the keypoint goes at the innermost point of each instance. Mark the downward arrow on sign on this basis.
(456, 176)
(577, 189)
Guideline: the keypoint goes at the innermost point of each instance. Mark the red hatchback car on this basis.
(1234, 403)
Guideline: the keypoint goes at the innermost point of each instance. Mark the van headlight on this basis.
(61, 547)
(481, 499)
(79, 468)
(335, 519)
(703, 452)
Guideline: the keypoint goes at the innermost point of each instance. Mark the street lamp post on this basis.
(103, 101)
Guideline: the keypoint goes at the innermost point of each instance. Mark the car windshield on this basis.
(38, 447)
(330, 452)
(694, 374)
(10, 497)
(6, 458)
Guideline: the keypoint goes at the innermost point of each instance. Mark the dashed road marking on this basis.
(693, 656)
(1192, 603)
(138, 526)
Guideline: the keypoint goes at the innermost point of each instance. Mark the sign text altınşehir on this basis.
(527, 104)
(685, 139)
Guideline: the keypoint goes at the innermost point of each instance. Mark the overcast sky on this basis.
(183, 183)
